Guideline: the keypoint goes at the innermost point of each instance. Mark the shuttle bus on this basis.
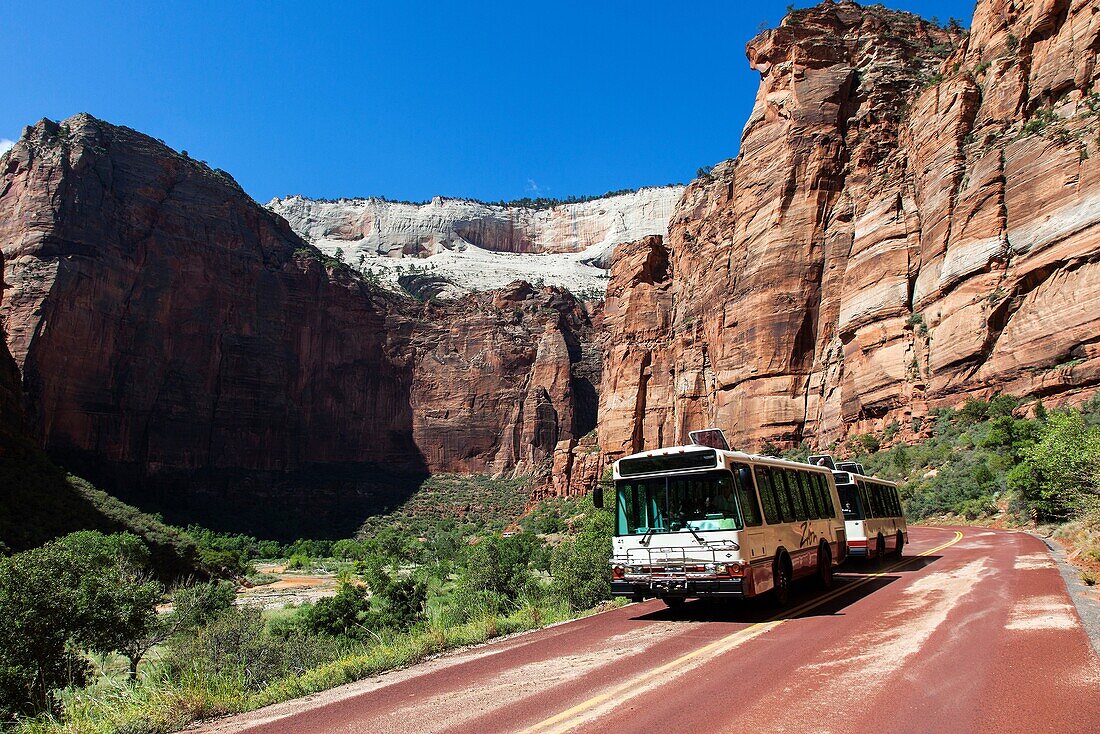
(874, 520)
(704, 521)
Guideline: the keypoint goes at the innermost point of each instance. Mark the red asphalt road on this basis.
(979, 636)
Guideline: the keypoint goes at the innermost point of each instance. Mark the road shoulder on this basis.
(1084, 596)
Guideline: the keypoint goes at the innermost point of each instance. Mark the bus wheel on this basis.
(898, 545)
(880, 549)
(824, 566)
(674, 602)
(782, 581)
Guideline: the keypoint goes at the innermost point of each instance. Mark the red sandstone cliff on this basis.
(180, 344)
(12, 431)
(912, 219)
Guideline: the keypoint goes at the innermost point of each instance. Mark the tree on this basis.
(86, 591)
(192, 607)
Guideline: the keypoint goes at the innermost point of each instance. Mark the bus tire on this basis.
(674, 602)
(824, 566)
(899, 544)
(880, 549)
(783, 578)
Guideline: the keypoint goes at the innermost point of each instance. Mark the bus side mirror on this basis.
(597, 496)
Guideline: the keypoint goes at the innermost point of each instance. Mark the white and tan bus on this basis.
(874, 519)
(704, 521)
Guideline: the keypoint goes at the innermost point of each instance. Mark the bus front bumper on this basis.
(677, 587)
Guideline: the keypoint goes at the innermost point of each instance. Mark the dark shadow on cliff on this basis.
(39, 502)
(323, 501)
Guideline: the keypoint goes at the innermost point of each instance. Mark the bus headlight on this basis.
(720, 569)
(617, 572)
(711, 568)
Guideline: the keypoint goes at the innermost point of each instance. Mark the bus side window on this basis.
(876, 500)
(865, 499)
(746, 497)
(795, 492)
(799, 479)
(896, 500)
(826, 496)
(813, 507)
(782, 501)
(814, 481)
(767, 495)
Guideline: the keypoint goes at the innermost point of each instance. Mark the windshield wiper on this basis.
(697, 535)
(648, 533)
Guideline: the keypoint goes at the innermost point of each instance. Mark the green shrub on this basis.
(342, 615)
(298, 562)
(1059, 473)
(236, 647)
(580, 566)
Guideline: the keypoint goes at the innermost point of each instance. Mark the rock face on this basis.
(394, 229)
(482, 246)
(182, 346)
(497, 378)
(12, 430)
(912, 220)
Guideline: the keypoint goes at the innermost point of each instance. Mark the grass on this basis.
(1081, 538)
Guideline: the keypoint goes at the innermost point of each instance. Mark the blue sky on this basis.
(406, 99)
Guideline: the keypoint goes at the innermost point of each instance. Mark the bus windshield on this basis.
(700, 502)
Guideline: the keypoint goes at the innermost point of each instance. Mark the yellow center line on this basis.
(566, 720)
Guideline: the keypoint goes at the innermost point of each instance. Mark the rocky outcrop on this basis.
(479, 246)
(912, 220)
(395, 229)
(183, 347)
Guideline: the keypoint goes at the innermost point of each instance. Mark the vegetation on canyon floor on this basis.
(87, 650)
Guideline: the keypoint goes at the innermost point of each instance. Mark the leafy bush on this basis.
(580, 565)
(1060, 473)
(342, 615)
(235, 646)
(298, 561)
(982, 459)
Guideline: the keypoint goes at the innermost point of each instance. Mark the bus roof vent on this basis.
(712, 438)
(851, 467)
(821, 460)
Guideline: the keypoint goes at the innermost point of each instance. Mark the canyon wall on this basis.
(184, 347)
(912, 219)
